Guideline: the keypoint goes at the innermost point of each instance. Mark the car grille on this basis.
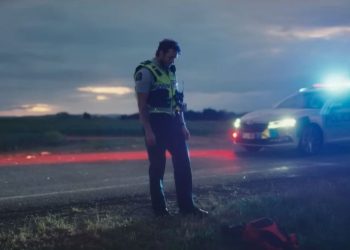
(253, 127)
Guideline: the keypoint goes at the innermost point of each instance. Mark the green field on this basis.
(51, 131)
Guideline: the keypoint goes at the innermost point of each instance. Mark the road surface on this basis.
(41, 179)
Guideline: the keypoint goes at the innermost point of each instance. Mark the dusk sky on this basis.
(237, 55)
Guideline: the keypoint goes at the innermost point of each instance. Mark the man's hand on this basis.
(186, 133)
(150, 137)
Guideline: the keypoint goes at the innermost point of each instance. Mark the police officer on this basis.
(160, 107)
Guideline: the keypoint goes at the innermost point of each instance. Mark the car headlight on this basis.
(237, 123)
(285, 123)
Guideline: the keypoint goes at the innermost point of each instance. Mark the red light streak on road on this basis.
(213, 154)
(48, 158)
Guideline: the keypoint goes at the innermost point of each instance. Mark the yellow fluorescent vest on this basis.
(162, 95)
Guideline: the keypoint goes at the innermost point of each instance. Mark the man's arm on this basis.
(144, 118)
(143, 81)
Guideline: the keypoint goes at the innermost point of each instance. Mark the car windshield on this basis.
(304, 100)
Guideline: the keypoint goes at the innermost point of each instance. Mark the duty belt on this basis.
(169, 111)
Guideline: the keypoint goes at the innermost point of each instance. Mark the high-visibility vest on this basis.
(163, 95)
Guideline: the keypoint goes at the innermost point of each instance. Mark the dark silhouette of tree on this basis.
(63, 115)
(206, 114)
(86, 116)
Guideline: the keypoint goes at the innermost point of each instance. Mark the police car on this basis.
(305, 120)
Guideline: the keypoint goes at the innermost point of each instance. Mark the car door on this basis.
(337, 119)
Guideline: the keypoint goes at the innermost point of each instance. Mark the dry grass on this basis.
(315, 209)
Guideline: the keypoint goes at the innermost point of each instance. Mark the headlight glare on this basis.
(237, 123)
(285, 123)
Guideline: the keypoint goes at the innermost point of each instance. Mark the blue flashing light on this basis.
(335, 83)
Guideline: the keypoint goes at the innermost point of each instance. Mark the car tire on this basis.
(252, 148)
(311, 140)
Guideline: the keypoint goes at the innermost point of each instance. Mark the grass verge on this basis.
(316, 209)
(18, 134)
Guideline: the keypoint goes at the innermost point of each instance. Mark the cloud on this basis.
(60, 52)
(309, 33)
(37, 108)
(29, 109)
(101, 98)
(108, 90)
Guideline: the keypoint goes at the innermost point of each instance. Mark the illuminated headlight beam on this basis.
(285, 123)
(237, 123)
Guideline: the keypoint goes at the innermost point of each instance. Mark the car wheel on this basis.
(252, 148)
(311, 140)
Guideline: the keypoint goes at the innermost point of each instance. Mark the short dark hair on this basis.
(167, 44)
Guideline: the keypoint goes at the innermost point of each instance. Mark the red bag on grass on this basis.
(263, 234)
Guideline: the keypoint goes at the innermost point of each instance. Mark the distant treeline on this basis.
(206, 115)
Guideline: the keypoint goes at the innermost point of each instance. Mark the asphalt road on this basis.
(67, 179)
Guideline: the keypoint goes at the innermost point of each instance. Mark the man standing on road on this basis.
(160, 107)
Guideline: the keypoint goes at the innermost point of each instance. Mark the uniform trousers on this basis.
(169, 137)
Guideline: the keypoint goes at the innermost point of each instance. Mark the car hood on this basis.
(266, 115)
